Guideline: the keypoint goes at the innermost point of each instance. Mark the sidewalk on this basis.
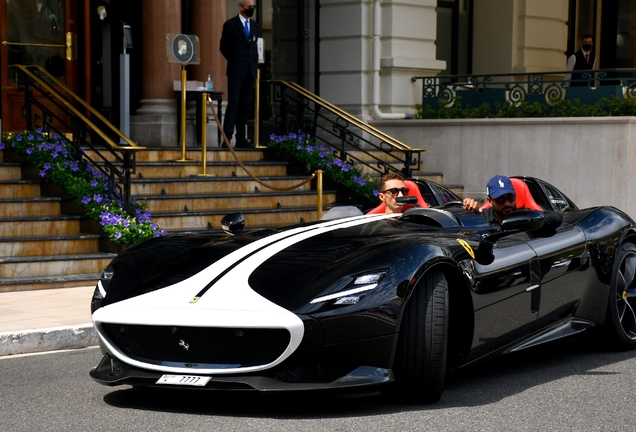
(45, 320)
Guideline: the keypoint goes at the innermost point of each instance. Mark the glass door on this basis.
(35, 32)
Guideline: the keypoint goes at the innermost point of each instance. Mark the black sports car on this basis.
(363, 300)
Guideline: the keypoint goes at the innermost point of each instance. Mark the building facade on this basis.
(357, 54)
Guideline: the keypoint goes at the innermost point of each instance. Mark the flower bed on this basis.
(57, 160)
(320, 157)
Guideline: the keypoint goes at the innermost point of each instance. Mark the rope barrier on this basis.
(249, 173)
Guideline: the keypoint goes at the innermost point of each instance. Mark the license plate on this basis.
(189, 380)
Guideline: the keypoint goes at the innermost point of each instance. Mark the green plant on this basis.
(320, 157)
(613, 106)
(59, 163)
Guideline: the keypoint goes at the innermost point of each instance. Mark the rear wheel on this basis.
(620, 321)
(420, 363)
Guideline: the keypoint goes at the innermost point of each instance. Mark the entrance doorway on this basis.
(35, 32)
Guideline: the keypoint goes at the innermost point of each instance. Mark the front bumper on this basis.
(112, 372)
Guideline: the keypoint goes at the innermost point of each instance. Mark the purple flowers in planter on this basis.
(87, 183)
(319, 156)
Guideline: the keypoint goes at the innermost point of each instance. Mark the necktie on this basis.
(587, 58)
(247, 30)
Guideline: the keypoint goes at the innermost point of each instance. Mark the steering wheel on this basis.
(451, 204)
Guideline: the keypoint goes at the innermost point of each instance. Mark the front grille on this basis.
(222, 347)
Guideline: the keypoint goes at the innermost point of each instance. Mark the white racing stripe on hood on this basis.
(230, 302)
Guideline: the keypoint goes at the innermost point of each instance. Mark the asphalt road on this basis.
(559, 387)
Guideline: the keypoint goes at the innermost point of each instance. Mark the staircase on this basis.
(41, 247)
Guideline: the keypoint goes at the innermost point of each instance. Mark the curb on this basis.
(47, 339)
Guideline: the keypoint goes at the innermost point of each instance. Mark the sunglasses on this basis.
(505, 198)
(395, 191)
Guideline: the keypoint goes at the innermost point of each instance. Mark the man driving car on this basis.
(391, 187)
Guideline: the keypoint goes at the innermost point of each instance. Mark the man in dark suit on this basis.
(238, 46)
(581, 60)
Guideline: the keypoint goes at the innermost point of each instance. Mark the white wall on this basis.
(591, 160)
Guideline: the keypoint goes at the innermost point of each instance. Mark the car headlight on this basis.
(353, 291)
(101, 289)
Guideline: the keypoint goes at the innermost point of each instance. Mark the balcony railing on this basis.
(543, 87)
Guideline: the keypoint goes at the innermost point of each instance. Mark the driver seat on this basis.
(524, 197)
(414, 190)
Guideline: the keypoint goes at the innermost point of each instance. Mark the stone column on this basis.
(155, 122)
(519, 36)
(407, 35)
(207, 23)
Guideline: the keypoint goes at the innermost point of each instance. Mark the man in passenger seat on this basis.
(502, 197)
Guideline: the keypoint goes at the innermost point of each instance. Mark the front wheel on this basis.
(620, 321)
(420, 361)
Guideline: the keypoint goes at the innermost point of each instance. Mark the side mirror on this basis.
(518, 220)
(233, 223)
(523, 220)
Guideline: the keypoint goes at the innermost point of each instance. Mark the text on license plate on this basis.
(191, 380)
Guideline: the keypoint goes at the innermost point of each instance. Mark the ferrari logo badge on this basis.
(183, 344)
(624, 295)
(194, 299)
(466, 246)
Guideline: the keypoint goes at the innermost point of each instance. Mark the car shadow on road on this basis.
(483, 384)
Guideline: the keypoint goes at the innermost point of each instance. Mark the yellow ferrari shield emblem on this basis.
(466, 246)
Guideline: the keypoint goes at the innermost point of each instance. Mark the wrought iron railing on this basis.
(544, 87)
(51, 106)
(355, 141)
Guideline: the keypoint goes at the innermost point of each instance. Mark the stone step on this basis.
(39, 226)
(42, 206)
(171, 154)
(203, 185)
(188, 221)
(53, 265)
(289, 200)
(14, 246)
(220, 169)
(10, 171)
(19, 189)
(48, 282)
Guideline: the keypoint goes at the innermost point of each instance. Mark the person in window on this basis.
(581, 60)
(391, 187)
(502, 196)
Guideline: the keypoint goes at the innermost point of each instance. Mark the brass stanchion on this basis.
(183, 116)
(319, 188)
(204, 138)
(257, 111)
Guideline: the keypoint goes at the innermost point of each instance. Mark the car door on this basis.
(562, 284)
(505, 303)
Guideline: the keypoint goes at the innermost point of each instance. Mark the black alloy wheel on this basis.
(620, 322)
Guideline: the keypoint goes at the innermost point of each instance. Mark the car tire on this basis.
(420, 363)
(620, 319)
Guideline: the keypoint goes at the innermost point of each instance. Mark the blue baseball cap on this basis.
(499, 185)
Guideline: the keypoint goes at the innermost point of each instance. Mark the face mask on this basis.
(249, 12)
(586, 47)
